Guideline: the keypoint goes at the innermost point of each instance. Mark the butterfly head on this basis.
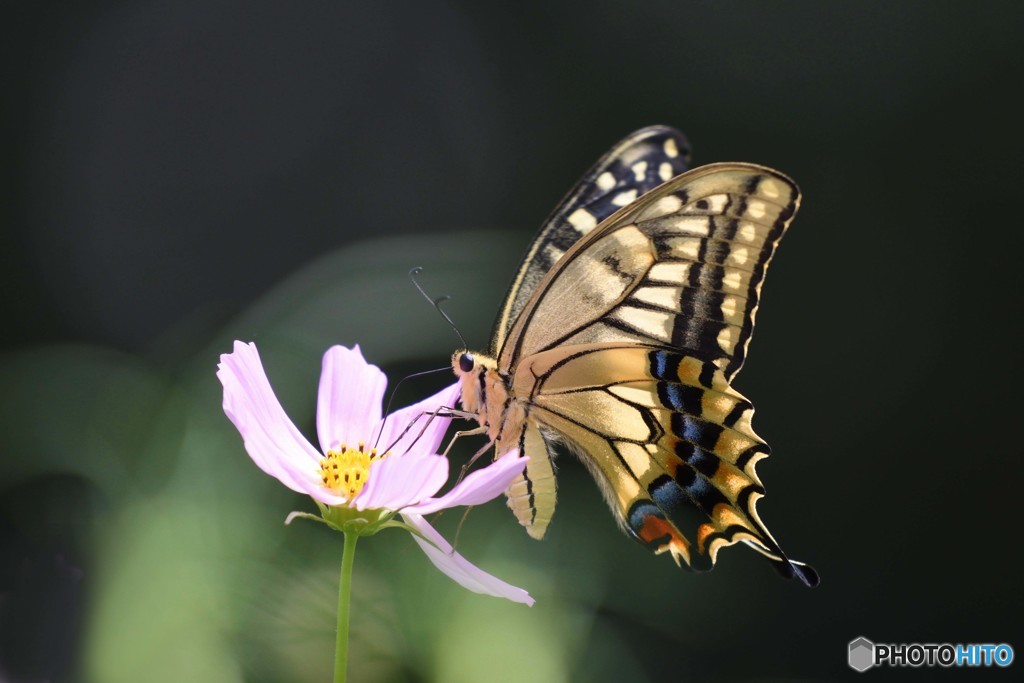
(464, 362)
(475, 372)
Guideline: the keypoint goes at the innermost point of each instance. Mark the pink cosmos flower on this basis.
(367, 469)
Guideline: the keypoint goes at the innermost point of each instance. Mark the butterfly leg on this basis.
(465, 469)
(430, 415)
(455, 413)
(461, 433)
(476, 456)
(458, 530)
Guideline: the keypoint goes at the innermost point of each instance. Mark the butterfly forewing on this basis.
(630, 169)
(682, 267)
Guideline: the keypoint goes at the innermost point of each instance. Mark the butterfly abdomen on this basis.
(531, 497)
(487, 395)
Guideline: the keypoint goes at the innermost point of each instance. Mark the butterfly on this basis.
(620, 336)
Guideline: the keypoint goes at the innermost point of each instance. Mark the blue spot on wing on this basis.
(680, 397)
(697, 458)
(663, 365)
(695, 430)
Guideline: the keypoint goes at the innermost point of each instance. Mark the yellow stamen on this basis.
(346, 470)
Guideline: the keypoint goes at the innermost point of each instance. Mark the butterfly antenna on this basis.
(391, 399)
(436, 303)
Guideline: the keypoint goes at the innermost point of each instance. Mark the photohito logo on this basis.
(862, 654)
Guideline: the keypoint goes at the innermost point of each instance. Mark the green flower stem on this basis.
(344, 591)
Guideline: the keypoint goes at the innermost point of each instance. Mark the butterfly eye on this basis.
(466, 362)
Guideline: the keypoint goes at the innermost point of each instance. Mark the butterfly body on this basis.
(502, 409)
(620, 338)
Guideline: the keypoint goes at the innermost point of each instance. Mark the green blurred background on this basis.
(182, 175)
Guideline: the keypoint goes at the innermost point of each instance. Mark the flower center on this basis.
(346, 470)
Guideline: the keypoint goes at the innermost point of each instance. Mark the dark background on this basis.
(181, 175)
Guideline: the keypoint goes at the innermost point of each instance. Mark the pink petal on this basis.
(398, 480)
(479, 486)
(271, 439)
(418, 431)
(348, 405)
(458, 568)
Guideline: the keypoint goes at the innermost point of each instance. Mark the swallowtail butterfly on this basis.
(620, 336)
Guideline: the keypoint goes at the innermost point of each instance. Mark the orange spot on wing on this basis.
(656, 529)
(672, 463)
(725, 516)
(703, 531)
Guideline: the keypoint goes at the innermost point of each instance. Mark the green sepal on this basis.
(303, 515)
(361, 523)
(348, 520)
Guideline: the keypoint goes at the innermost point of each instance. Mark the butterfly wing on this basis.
(668, 440)
(637, 164)
(681, 267)
(628, 346)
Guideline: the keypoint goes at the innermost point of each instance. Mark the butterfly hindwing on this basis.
(637, 164)
(681, 267)
(668, 440)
